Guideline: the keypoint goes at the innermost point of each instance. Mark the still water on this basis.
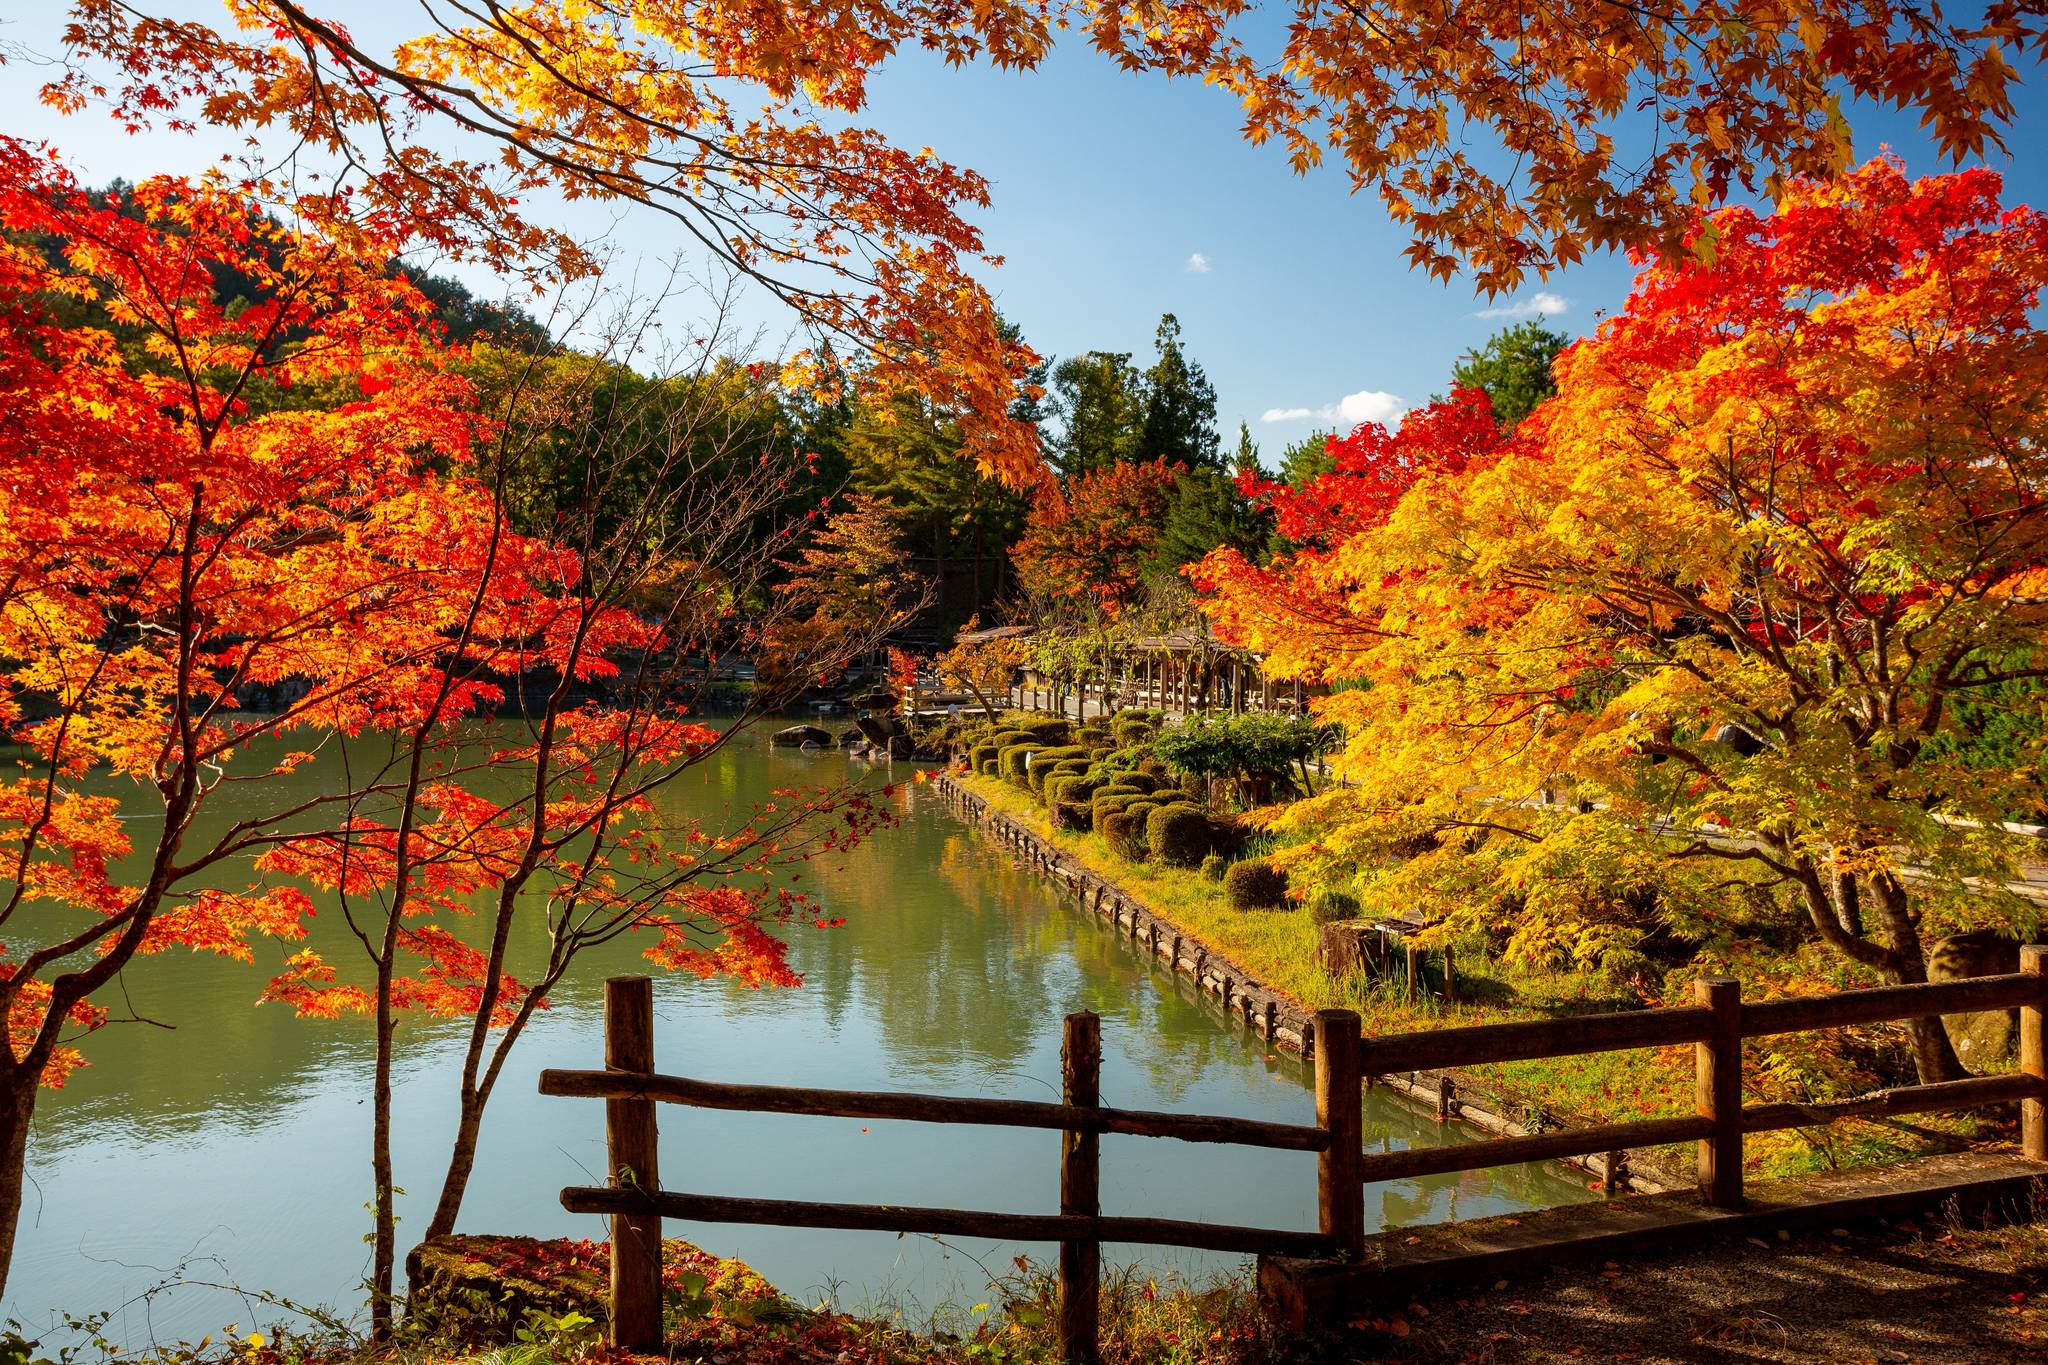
(235, 1142)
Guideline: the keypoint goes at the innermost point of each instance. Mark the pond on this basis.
(234, 1142)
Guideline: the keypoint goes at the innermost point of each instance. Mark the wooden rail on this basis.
(1716, 1026)
(636, 1203)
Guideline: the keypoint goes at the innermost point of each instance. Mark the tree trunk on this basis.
(384, 1235)
(16, 1110)
(461, 1162)
(1934, 1056)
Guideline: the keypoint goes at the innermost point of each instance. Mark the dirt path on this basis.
(1913, 1291)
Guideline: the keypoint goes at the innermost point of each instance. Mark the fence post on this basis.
(1717, 1078)
(2034, 1054)
(1340, 1112)
(1080, 1193)
(630, 1135)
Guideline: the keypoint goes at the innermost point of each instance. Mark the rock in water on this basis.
(800, 737)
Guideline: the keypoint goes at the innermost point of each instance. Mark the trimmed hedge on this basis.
(1214, 866)
(1144, 782)
(1077, 788)
(1255, 884)
(1011, 764)
(1046, 729)
(982, 757)
(1113, 788)
(1078, 816)
(1178, 835)
(1124, 835)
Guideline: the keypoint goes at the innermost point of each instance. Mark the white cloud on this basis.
(1542, 304)
(1367, 405)
(1198, 264)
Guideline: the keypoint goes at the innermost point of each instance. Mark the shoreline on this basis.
(1451, 1096)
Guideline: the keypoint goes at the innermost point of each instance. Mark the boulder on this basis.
(1985, 1037)
(801, 737)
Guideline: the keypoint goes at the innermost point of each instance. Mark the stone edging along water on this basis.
(1249, 1003)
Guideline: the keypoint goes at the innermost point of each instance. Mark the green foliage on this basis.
(1255, 745)
(1214, 866)
(1180, 406)
(1178, 835)
(1078, 816)
(1328, 905)
(1123, 831)
(1255, 884)
(1011, 763)
(1306, 460)
(983, 757)
(1097, 397)
(1132, 728)
(1048, 729)
(1513, 367)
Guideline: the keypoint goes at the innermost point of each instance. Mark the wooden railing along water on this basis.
(1716, 1026)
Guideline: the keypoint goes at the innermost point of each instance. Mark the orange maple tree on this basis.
(285, 492)
(1690, 655)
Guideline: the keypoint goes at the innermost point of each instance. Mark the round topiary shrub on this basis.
(1126, 730)
(1328, 905)
(1141, 810)
(1214, 866)
(1137, 781)
(983, 757)
(1011, 764)
(1255, 884)
(1178, 835)
(1153, 768)
(1124, 835)
(1046, 729)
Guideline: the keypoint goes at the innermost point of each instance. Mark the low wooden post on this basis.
(1080, 1192)
(1340, 1112)
(1717, 1079)
(2034, 1054)
(631, 1137)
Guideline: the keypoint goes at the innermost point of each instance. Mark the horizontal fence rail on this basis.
(1715, 1026)
(868, 1104)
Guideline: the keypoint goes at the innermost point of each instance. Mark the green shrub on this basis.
(1152, 767)
(1012, 761)
(1108, 789)
(1124, 835)
(1074, 787)
(1141, 810)
(1214, 866)
(983, 757)
(1092, 735)
(1329, 905)
(1255, 884)
(1144, 782)
(1129, 729)
(1046, 729)
(1194, 788)
(1078, 816)
(1178, 835)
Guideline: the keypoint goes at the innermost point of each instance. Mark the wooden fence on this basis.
(1716, 1026)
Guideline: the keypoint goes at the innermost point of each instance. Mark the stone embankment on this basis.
(1450, 1095)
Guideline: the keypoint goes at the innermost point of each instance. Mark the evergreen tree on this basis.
(905, 454)
(1180, 405)
(1306, 459)
(1513, 367)
(1099, 399)
(1208, 511)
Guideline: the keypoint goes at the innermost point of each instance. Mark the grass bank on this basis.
(1280, 949)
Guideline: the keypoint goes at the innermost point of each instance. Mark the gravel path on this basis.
(1918, 1291)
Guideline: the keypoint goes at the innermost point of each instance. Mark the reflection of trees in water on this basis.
(951, 954)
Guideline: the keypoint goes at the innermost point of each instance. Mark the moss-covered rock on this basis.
(481, 1290)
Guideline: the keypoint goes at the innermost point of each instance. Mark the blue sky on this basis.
(1118, 198)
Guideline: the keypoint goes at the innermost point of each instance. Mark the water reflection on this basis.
(244, 1132)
